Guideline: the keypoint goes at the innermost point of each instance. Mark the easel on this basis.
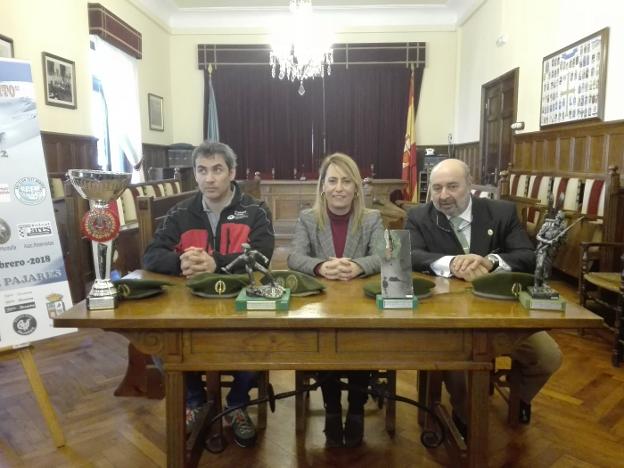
(25, 356)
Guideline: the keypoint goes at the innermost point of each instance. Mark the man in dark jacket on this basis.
(203, 234)
(466, 237)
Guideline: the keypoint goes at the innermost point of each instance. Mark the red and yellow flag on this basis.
(409, 172)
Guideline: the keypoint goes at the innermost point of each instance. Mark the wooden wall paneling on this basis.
(80, 273)
(576, 161)
(469, 153)
(589, 148)
(597, 156)
(565, 148)
(615, 149)
(64, 151)
(550, 153)
(154, 156)
(537, 155)
(523, 159)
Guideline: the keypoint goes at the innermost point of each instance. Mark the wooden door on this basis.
(499, 101)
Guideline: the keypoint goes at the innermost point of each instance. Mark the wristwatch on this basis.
(495, 263)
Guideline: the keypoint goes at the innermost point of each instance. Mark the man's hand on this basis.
(470, 266)
(195, 260)
(340, 269)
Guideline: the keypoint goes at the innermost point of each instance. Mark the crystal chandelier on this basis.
(301, 47)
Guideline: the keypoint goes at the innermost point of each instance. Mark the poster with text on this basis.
(33, 282)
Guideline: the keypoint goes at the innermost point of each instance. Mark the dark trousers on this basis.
(238, 394)
(330, 387)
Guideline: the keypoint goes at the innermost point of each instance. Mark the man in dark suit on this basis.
(456, 235)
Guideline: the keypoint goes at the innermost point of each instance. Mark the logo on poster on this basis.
(24, 324)
(30, 190)
(5, 231)
(38, 229)
(55, 304)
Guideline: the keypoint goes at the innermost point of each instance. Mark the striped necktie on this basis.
(457, 222)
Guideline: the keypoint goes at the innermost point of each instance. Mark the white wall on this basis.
(61, 27)
(435, 113)
(534, 29)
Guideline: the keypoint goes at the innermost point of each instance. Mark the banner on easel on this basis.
(33, 281)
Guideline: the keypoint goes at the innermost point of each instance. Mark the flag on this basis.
(409, 169)
(212, 127)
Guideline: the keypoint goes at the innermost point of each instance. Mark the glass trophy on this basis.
(397, 290)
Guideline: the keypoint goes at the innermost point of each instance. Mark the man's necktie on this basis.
(456, 222)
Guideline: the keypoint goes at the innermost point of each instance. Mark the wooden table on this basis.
(342, 328)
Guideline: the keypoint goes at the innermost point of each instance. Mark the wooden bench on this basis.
(593, 197)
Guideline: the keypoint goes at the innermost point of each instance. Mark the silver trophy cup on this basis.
(101, 226)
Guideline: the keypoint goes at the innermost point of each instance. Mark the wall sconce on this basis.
(517, 126)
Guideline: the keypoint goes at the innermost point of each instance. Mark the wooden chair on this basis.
(605, 287)
(385, 378)
(429, 386)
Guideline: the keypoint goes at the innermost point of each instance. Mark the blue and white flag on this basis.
(212, 130)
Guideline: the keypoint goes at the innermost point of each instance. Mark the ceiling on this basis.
(206, 15)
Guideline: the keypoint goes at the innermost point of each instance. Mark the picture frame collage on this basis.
(574, 80)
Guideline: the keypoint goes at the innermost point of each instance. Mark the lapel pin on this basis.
(490, 232)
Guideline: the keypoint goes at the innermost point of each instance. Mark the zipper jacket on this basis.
(186, 225)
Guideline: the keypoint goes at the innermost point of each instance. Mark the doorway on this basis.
(499, 104)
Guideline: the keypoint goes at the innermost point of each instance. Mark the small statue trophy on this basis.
(550, 237)
(258, 296)
(397, 290)
(101, 226)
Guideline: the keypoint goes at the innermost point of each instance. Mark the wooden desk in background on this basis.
(339, 329)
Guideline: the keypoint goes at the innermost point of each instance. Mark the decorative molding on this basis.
(114, 30)
(387, 53)
(218, 15)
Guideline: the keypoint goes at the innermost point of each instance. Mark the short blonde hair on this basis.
(349, 167)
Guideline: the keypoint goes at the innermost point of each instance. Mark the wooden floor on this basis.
(578, 419)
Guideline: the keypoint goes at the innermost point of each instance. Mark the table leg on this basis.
(176, 452)
(478, 382)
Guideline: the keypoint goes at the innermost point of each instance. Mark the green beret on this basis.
(503, 285)
(422, 287)
(299, 283)
(138, 288)
(217, 285)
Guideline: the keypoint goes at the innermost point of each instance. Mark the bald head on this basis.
(453, 165)
(450, 186)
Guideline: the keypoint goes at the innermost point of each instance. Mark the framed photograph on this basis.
(6, 47)
(155, 111)
(574, 81)
(59, 77)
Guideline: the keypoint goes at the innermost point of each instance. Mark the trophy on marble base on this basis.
(397, 288)
(101, 226)
(256, 296)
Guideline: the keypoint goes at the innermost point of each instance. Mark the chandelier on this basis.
(301, 47)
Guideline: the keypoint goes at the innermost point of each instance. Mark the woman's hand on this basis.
(340, 269)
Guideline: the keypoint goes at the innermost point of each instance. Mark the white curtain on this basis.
(116, 113)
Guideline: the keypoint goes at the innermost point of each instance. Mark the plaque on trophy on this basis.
(397, 290)
(256, 296)
(549, 238)
(101, 226)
